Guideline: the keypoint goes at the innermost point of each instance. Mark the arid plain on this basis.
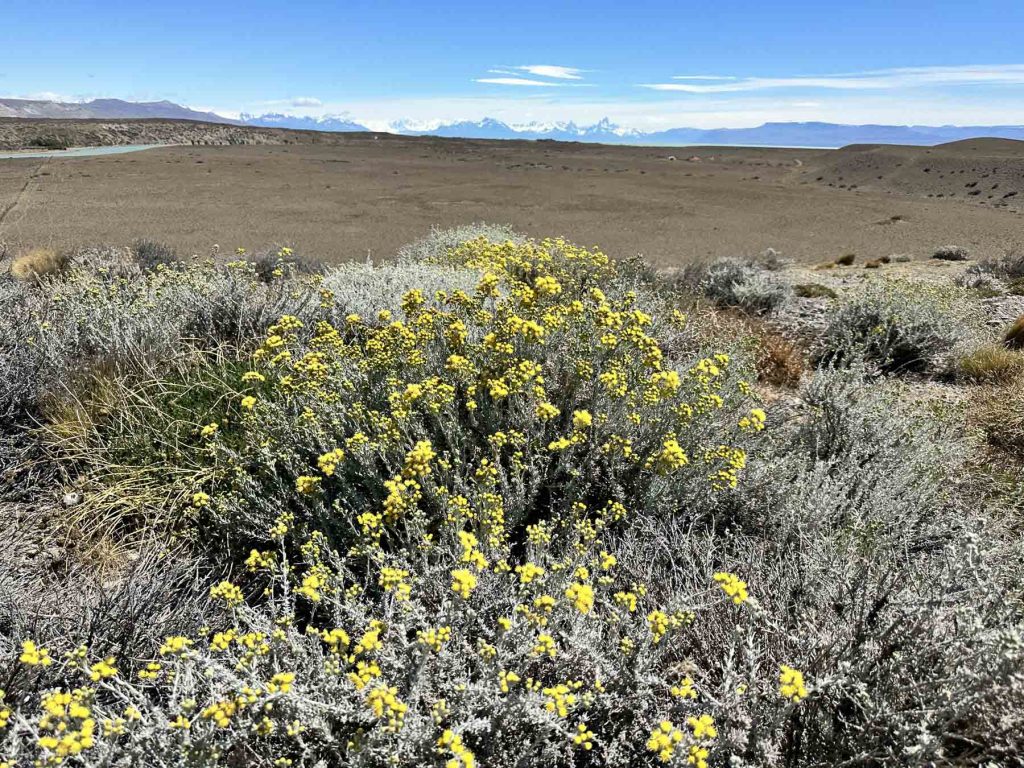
(366, 194)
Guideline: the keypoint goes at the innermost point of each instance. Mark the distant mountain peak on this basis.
(796, 134)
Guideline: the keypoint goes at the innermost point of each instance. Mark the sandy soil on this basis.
(368, 195)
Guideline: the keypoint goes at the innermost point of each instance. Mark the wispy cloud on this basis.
(882, 79)
(525, 81)
(293, 101)
(703, 77)
(553, 76)
(551, 70)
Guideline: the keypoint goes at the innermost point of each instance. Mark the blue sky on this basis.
(644, 64)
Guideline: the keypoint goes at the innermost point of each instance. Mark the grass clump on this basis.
(1014, 336)
(37, 263)
(846, 260)
(991, 364)
(814, 291)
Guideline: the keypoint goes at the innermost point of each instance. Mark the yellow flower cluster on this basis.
(733, 586)
(791, 683)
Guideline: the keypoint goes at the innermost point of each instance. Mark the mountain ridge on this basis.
(782, 134)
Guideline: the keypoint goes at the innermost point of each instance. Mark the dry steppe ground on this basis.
(366, 194)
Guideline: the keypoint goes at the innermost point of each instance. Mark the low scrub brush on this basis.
(504, 505)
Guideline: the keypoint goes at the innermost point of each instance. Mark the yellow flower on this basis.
(462, 757)
(703, 727)
(248, 402)
(34, 655)
(101, 670)
(200, 499)
(417, 461)
(685, 689)
(583, 737)
(545, 645)
(329, 461)
(582, 596)
(307, 484)
(791, 683)
(528, 572)
(732, 586)
(546, 411)
(227, 592)
(209, 430)
(507, 679)
(664, 739)
(463, 582)
(658, 623)
(582, 419)
(281, 682)
(671, 457)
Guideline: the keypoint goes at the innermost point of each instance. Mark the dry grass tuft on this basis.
(1001, 417)
(1014, 338)
(991, 364)
(37, 263)
(814, 291)
(778, 362)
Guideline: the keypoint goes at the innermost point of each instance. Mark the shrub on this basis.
(37, 263)
(48, 142)
(985, 283)
(733, 283)
(88, 320)
(536, 520)
(1014, 336)
(1010, 266)
(846, 260)
(150, 254)
(281, 262)
(991, 364)
(951, 253)
(814, 291)
(901, 327)
(440, 241)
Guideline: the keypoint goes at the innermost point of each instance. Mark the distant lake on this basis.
(79, 151)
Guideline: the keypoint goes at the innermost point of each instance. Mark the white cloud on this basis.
(518, 81)
(293, 101)
(703, 77)
(882, 79)
(551, 70)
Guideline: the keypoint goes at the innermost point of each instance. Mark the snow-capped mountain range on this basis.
(813, 134)
(817, 134)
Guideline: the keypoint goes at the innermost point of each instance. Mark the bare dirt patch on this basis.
(353, 195)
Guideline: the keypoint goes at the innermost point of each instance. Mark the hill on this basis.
(105, 109)
(984, 171)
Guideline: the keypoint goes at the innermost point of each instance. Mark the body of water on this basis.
(79, 151)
